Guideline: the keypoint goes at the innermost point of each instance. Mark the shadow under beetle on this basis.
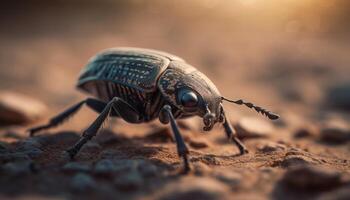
(139, 85)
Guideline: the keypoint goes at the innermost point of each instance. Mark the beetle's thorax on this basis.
(182, 80)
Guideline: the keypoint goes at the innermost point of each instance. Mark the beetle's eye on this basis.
(189, 99)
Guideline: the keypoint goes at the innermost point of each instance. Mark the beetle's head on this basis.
(193, 93)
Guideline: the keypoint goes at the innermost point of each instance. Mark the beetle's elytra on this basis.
(140, 85)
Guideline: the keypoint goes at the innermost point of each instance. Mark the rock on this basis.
(342, 193)
(198, 142)
(91, 146)
(3, 147)
(82, 182)
(251, 127)
(18, 109)
(270, 147)
(18, 168)
(149, 170)
(120, 166)
(305, 132)
(11, 157)
(338, 96)
(296, 160)
(200, 168)
(189, 188)
(129, 181)
(228, 177)
(105, 166)
(309, 177)
(76, 167)
(31, 147)
(335, 135)
(29, 144)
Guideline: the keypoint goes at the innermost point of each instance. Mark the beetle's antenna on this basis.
(258, 109)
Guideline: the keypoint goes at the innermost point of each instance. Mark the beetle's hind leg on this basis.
(232, 135)
(117, 107)
(182, 150)
(60, 118)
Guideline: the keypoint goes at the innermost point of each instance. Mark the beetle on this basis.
(140, 85)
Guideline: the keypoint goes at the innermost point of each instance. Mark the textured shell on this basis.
(132, 67)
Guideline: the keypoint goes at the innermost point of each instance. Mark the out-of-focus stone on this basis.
(200, 168)
(339, 96)
(76, 167)
(120, 166)
(251, 127)
(335, 135)
(129, 181)
(18, 167)
(342, 193)
(228, 177)
(148, 170)
(305, 132)
(268, 147)
(309, 177)
(31, 147)
(296, 160)
(3, 147)
(189, 188)
(198, 142)
(91, 146)
(105, 166)
(12, 157)
(82, 182)
(18, 109)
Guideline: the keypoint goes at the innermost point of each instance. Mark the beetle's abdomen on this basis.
(137, 69)
(147, 104)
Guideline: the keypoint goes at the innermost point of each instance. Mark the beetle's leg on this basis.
(92, 103)
(116, 104)
(232, 135)
(182, 149)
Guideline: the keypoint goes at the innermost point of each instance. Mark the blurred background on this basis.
(283, 54)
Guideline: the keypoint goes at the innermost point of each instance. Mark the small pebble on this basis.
(251, 127)
(198, 143)
(339, 96)
(82, 182)
(18, 109)
(311, 177)
(105, 166)
(18, 168)
(91, 146)
(189, 188)
(229, 177)
(129, 181)
(270, 147)
(341, 193)
(76, 167)
(305, 132)
(296, 160)
(335, 135)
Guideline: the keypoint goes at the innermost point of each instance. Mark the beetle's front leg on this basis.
(232, 135)
(182, 150)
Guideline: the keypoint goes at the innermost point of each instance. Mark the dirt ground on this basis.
(291, 57)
